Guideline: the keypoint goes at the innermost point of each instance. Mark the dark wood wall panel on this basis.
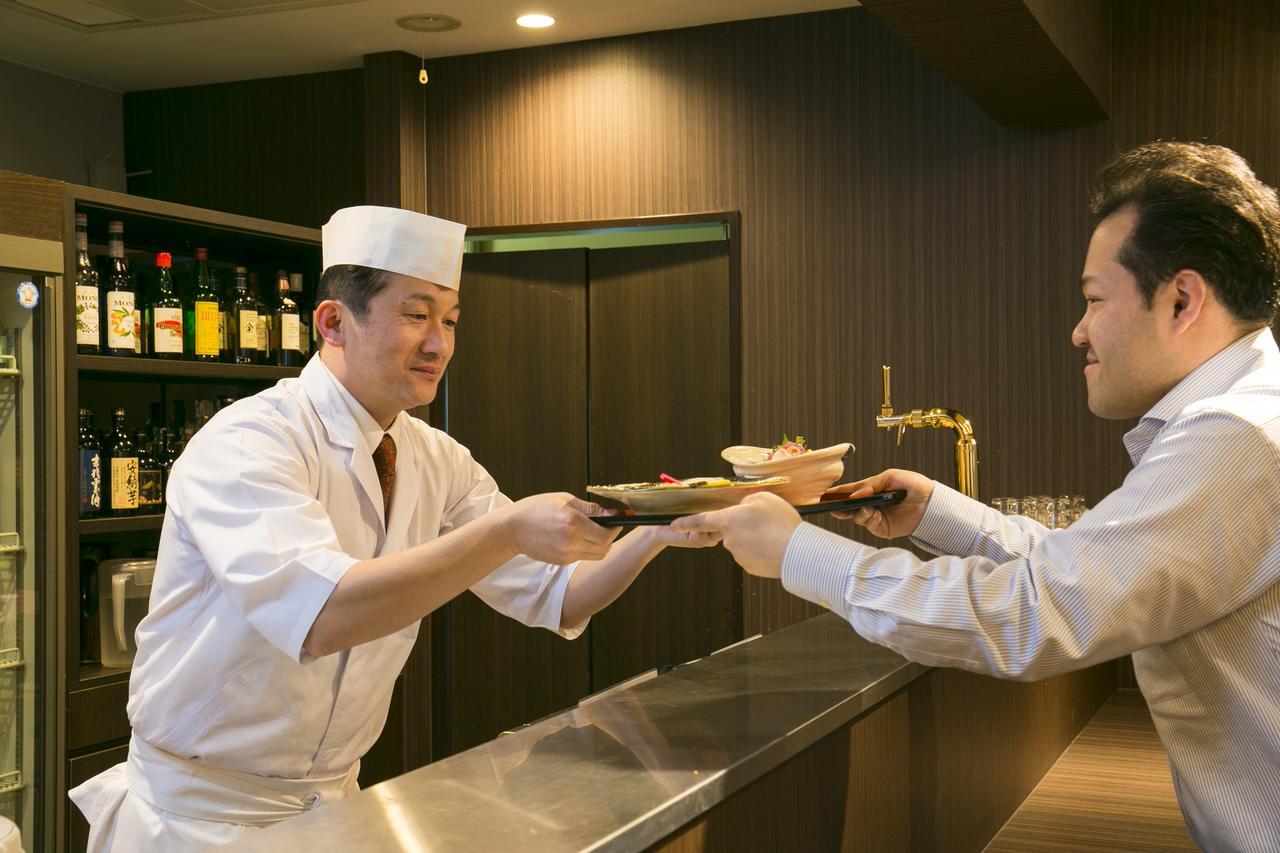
(394, 141)
(885, 219)
(288, 149)
(517, 398)
(661, 382)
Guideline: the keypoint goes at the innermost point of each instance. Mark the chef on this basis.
(307, 532)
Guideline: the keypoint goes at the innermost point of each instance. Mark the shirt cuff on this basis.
(817, 566)
(950, 523)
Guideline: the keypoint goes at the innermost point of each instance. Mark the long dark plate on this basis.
(882, 499)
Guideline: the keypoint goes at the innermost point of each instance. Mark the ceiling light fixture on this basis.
(428, 23)
(535, 22)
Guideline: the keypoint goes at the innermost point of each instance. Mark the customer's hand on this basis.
(756, 531)
(557, 528)
(889, 522)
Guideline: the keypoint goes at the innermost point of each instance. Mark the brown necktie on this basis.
(384, 461)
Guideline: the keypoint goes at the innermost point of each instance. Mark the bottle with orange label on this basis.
(204, 308)
(164, 313)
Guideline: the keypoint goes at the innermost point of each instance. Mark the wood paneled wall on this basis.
(288, 149)
(885, 220)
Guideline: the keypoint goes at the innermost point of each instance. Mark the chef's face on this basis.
(1126, 368)
(397, 354)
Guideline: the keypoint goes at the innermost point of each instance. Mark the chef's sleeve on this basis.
(526, 590)
(241, 494)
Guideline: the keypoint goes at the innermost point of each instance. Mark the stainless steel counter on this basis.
(626, 767)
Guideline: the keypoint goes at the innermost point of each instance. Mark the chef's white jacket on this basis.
(269, 505)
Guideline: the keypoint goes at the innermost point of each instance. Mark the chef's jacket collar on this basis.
(346, 421)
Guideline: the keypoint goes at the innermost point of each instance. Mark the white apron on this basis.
(158, 801)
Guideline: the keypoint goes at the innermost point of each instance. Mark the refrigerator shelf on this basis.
(10, 543)
(10, 782)
(10, 658)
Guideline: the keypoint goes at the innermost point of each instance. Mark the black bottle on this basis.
(90, 467)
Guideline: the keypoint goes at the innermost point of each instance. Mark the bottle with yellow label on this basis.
(203, 312)
(123, 459)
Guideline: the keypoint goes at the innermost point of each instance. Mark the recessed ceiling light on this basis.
(428, 23)
(535, 22)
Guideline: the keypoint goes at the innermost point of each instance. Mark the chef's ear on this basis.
(329, 325)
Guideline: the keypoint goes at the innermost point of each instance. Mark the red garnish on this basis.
(667, 478)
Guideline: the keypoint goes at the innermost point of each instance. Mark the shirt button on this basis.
(312, 800)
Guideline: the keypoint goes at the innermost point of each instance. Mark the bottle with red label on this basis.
(164, 314)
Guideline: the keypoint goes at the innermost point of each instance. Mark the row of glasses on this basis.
(1056, 513)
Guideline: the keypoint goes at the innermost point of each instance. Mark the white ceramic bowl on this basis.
(811, 473)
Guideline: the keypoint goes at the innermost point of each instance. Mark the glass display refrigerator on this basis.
(27, 622)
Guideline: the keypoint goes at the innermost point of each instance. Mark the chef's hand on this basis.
(556, 528)
(893, 521)
(669, 538)
(756, 531)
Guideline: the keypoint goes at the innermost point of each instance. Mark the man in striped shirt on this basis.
(1180, 566)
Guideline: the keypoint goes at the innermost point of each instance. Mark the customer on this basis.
(1179, 566)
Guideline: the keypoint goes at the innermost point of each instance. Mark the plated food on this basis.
(694, 494)
(812, 472)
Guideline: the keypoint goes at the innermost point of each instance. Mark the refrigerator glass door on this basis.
(22, 605)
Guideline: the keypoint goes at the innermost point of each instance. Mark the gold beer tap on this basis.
(966, 444)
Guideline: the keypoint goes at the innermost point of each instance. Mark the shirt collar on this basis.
(364, 422)
(1215, 376)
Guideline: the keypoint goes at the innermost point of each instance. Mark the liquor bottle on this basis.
(90, 467)
(150, 478)
(123, 457)
(167, 456)
(164, 313)
(179, 418)
(226, 319)
(88, 338)
(203, 309)
(118, 321)
(246, 324)
(264, 320)
(304, 314)
(288, 330)
(141, 337)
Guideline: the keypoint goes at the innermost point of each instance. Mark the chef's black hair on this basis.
(352, 285)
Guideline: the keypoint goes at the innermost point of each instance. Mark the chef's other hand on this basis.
(893, 521)
(756, 531)
(667, 537)
(557, 528)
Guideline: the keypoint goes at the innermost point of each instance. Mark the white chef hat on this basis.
(395, 240)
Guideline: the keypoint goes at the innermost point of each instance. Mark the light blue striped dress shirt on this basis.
(1180, 566)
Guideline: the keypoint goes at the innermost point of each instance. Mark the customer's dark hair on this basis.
(352, 285)
(1200, 207)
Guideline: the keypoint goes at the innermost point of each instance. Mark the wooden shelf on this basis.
(127, 524)
(158, 367)
(97, 675)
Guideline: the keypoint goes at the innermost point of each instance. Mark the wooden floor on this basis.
(1110, 790)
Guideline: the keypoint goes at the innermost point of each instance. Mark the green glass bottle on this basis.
(203, 309)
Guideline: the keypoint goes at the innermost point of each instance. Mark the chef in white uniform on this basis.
(307, 532)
